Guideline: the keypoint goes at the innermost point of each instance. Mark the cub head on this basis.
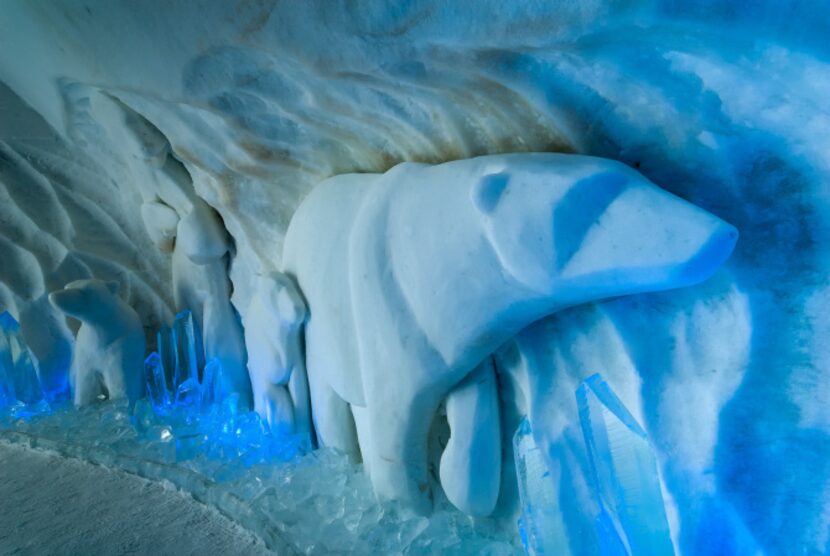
(593, 228)
(284, 299)
(84, 299)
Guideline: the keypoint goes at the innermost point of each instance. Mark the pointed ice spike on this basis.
(166, 348)
(184, 337)
(624, 473)
(543, 528)
(156, 383)
(18, 362)
(214, 386)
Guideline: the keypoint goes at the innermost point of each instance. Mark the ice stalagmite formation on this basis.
(18, 377)
(624, 473)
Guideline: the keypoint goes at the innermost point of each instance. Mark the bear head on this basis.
(85, 299)
(591, 228)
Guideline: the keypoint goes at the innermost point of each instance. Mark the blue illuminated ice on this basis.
(189, 393)
(184, 340)
(19, 372)
(624, 474)
(215, 387)
(154, 377)
(6, 383)
(543, 530)
(166, 348)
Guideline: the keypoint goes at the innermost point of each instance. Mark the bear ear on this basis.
(112, 286)
(488, 191)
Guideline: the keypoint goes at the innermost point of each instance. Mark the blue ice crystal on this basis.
(166, 348)
(156, 382)
(215, 386)
(19, 377)
(189, 393)
(541, 525)
(184, 339)
(624, 475)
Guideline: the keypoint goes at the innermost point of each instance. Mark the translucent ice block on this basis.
(215, 387)
(184, 337)
(156, 383)
(624, 474)
(17, 362)
(166, 348)
(543, 531)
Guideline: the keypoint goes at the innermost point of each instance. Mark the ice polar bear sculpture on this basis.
(415, 277)
(109, 347)
(273, 336)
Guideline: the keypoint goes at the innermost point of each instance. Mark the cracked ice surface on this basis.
(318, 503)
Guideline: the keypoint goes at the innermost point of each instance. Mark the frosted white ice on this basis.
(276, 361)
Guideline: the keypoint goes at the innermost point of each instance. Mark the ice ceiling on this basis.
(107, 107)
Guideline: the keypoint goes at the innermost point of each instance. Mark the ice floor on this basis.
(318, 503)
(57, 505)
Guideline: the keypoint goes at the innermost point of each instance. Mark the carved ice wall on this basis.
(246, 106)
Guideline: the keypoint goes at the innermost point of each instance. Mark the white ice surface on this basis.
(57, 505)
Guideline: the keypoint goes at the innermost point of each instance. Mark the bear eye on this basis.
(489, 190)
(581, 208)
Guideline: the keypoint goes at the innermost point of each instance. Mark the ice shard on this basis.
(624, 474)
(7, 396)
(184, 338)
(166, 348)
(541, 524)
(156, 382)
(215, 387)
(17, 363)
(189, 393)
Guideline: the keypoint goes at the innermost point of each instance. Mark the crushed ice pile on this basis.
(296, 500)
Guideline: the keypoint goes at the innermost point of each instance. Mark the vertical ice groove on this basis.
(624, 472)
(21, 380)
(541, 524)
(184, 339)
